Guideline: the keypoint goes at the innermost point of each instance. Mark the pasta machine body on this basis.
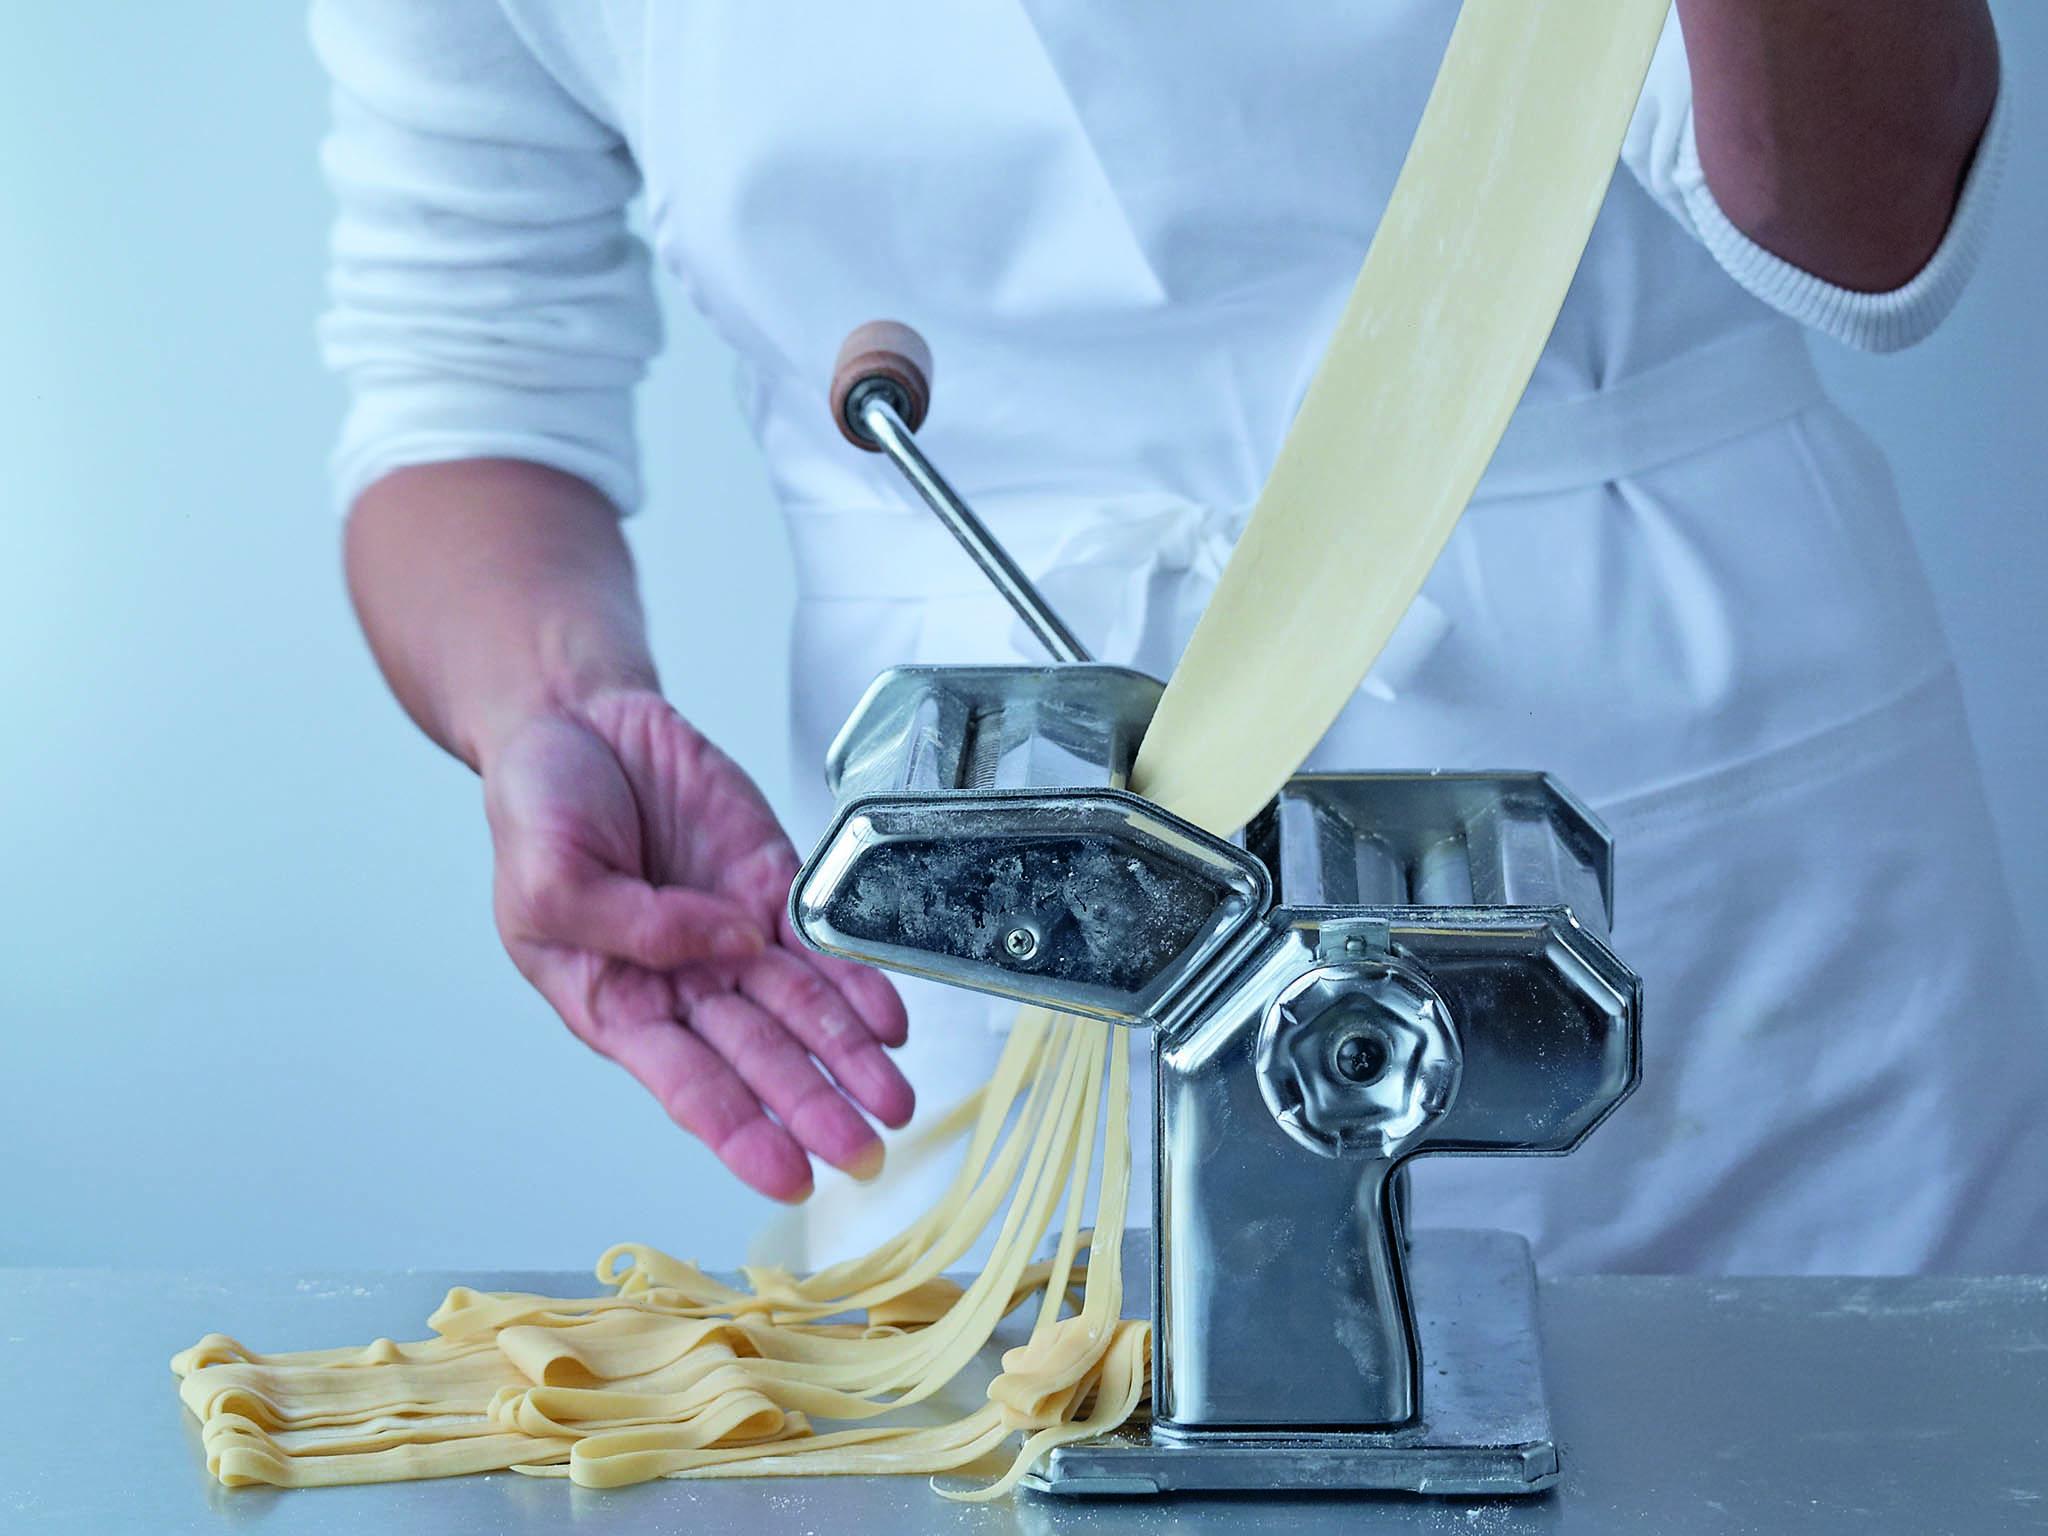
(1385, 966)
(1388, 965)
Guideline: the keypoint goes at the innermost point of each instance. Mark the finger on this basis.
(761, 878)
(704, 1096)
(821, 1019)
(659, 927)
(782, 1076)
(872, 994)
(764, 878)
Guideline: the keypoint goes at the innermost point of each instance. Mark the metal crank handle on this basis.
(881, 389)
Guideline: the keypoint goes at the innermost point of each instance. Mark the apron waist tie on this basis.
(1132, 572)
(1727, 389)
(1739, 384)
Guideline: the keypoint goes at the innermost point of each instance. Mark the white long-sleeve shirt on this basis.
(490, 299)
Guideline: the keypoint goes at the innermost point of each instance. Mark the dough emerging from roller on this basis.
(670, 1373)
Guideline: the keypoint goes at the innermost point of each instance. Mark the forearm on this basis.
(1836, 133)
(491, 589)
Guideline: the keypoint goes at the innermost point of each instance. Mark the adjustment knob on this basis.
(1358, 1060)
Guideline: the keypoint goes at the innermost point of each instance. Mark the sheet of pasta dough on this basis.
(1457, 296)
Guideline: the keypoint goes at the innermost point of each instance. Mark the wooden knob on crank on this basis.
(885, 355)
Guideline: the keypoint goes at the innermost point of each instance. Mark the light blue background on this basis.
(252, 1010)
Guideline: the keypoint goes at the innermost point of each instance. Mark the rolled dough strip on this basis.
(1459, 292)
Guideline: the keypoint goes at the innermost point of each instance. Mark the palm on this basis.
(641, 886)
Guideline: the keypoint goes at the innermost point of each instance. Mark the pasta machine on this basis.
(1382, 966)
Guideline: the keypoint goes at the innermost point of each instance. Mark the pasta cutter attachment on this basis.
(1384, 966)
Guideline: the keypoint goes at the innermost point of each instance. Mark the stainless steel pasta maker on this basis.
(1384, 966)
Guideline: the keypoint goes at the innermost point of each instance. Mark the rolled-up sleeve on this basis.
(1663, 152)
(487, 298)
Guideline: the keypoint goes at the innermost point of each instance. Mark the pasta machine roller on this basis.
(1382, 966)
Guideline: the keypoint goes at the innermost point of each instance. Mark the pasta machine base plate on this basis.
(1485, 1427)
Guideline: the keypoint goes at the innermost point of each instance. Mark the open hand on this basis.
(641, 885)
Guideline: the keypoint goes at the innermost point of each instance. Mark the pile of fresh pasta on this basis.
(672, 1374)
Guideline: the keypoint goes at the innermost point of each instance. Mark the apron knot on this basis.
(1134, 584)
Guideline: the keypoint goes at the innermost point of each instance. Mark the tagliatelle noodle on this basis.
(673, 1373)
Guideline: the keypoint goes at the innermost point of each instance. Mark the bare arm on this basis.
(640, 877)
(1836, 133)
(490, 590)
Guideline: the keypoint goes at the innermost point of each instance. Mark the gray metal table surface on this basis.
(1682, 1406)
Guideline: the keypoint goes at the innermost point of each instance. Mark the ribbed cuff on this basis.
(1875, 322)
(401, 423)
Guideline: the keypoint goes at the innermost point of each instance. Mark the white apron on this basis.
(1684, 587)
